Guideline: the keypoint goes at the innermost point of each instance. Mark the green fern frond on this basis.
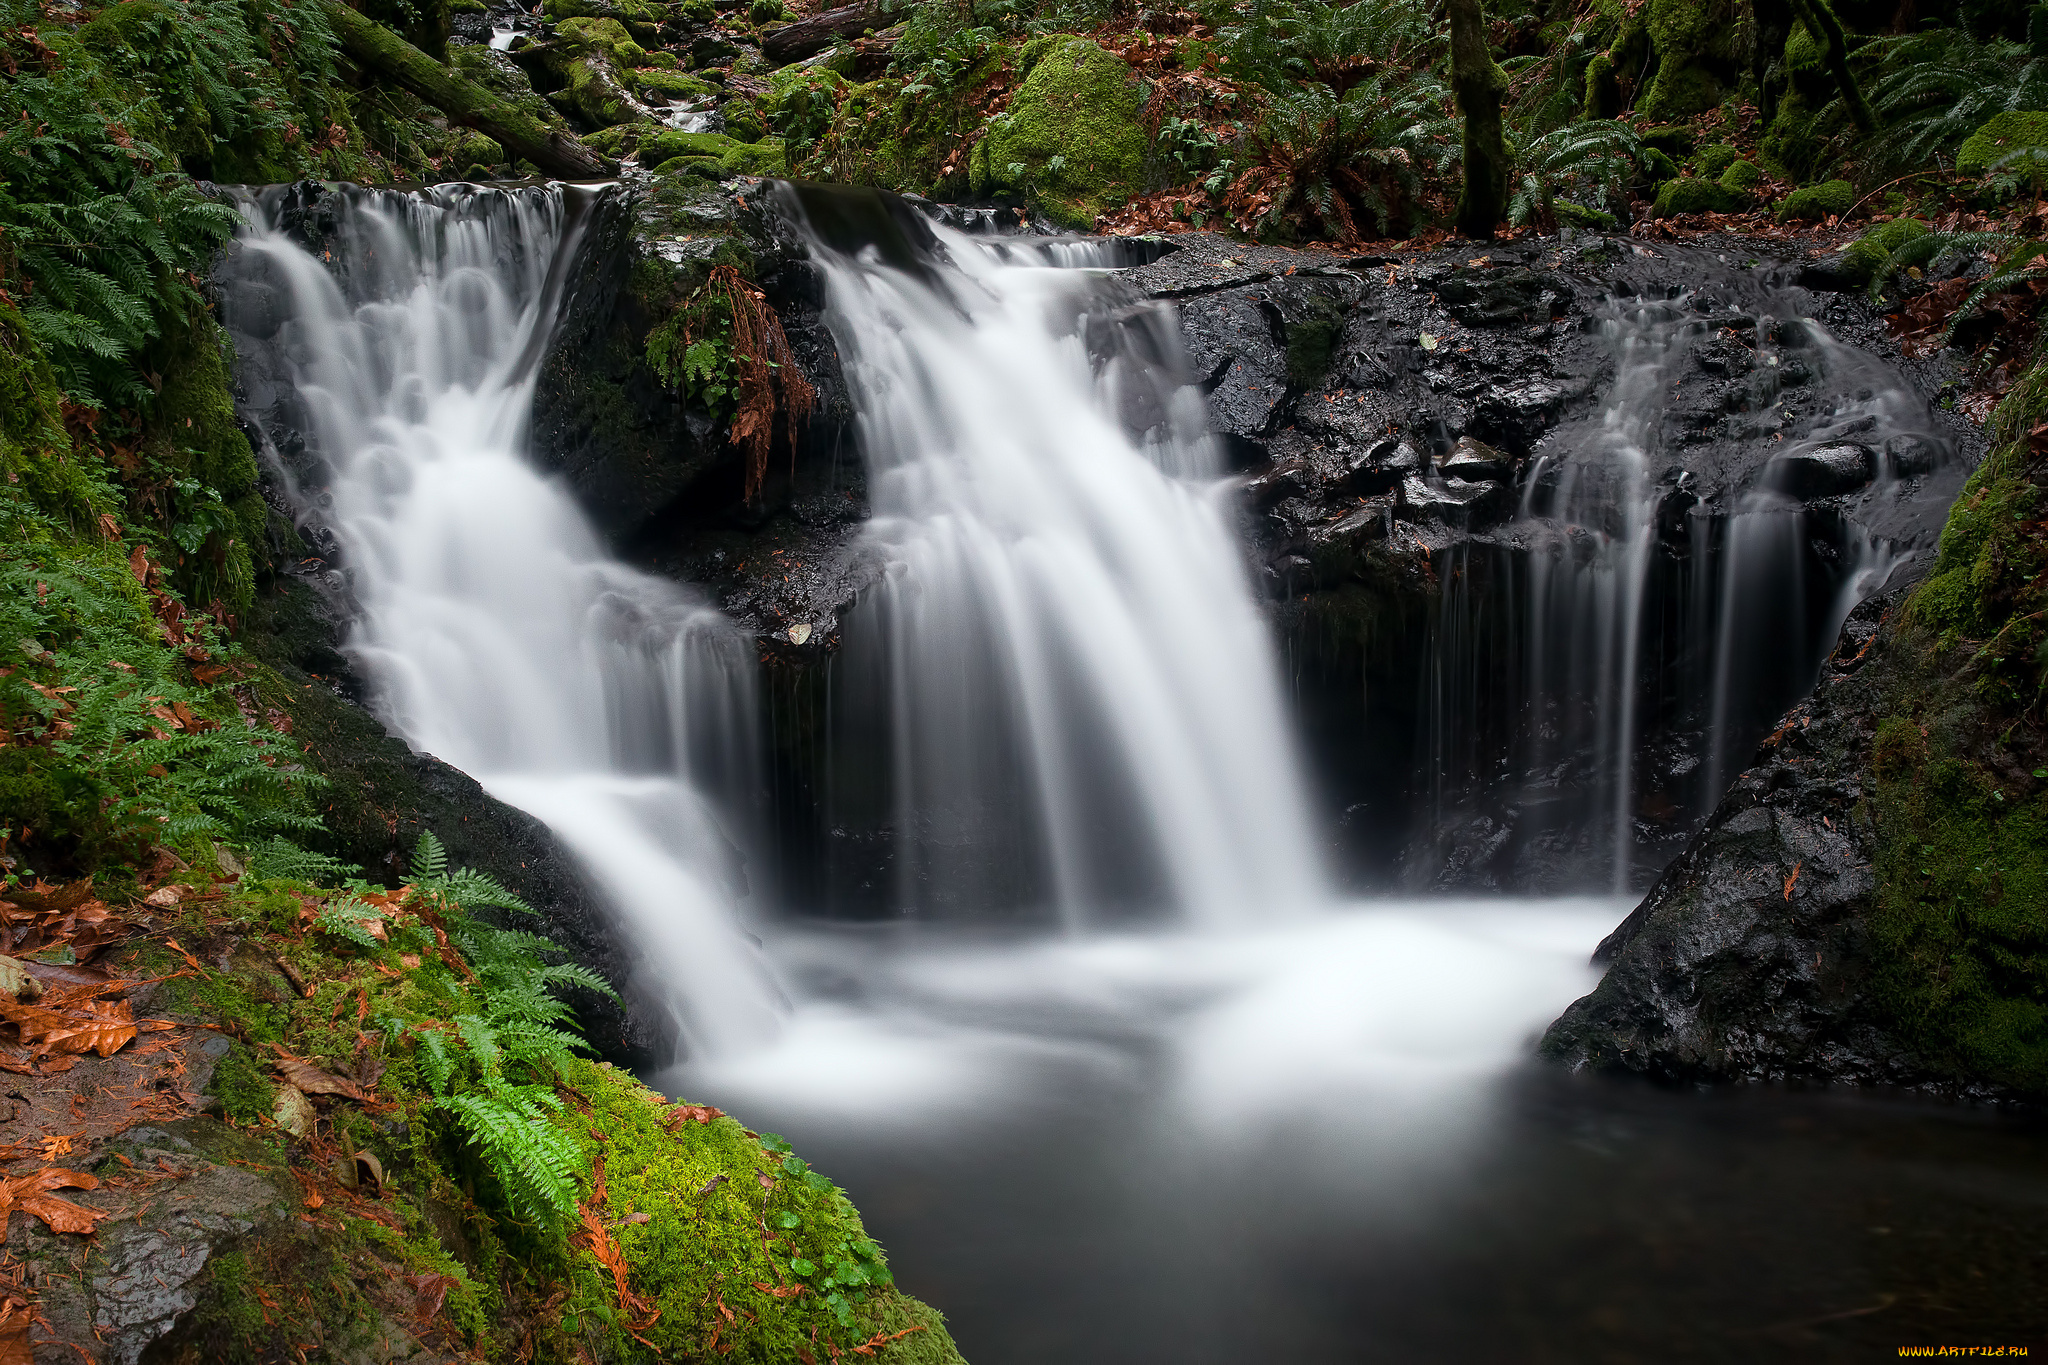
(429, 858)
(349, 918)
(536, 1165)
(282, 860)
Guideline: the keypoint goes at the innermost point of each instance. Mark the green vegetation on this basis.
(1829, 199)
(1071, 135)
(1961, 802)
(554, 1200)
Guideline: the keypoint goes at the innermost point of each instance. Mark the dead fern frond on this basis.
(763, 365)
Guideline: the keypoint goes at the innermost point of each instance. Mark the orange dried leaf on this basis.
(312, 1080)
(31, 1194)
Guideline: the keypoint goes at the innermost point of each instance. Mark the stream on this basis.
(1121, 1077)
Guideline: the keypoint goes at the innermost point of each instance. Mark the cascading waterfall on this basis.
(1080, 700)
(495, 630)
(1662, 624)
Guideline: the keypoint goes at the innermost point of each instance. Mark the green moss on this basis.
(1603, 91)
(2007, 141)
(1791, 145)
(662, 146)
(757, 158)
(35, 451)
(1579, 216)
(1695, 42)
(1692, 195)
(606, 34)
(1805, 55)
(1829, 199)
(1712, 161)
(245, 1093)
(1867, 255)
(1740, 178)
(676, 84)
(1071, 139)
(638, 11)
(704, 1193)
(1961, 800)
(1312, 338)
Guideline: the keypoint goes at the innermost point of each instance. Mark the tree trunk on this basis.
(1820, 21)
(555, 152)
(809, 37)
(1479, 85)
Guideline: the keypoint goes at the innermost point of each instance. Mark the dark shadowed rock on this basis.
(1504, 297)
(1751, 958)
(1475, 462)
(1825, 472)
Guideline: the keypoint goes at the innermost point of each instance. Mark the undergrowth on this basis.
(1961, 767)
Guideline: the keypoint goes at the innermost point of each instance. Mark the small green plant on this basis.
(493, 1070)
(1586, 163)
(1935, 88)
(112, 748)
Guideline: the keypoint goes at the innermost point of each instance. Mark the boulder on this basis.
(1071, 139)
(1824, 472)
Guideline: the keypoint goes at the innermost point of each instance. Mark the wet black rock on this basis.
(1750, 959)
(1515, 295)
(1823, 472)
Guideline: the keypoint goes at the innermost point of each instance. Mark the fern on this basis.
(1582, 161)
(349, 918)
(1934, 89)
(429, 859)
(101, 714)
(493, 1075)
(2018, 261)
(535, 1164)
(282, 860)
(464, 886)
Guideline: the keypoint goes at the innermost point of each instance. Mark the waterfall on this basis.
(1070, 696)
(1664, 593)
(494, 629)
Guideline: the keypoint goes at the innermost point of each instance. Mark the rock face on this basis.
(1414, 427)
(1751, 958)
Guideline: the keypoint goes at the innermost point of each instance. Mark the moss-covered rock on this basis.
(2015, 141)
(1690, 194)
(1792, 146)
(498, 74)
(607, 34)
(1699, 47)
(690, 1198)
(1740, 178)
(1071, 139)
(1814, 203)
(1603, 91)
(1867, 255)
(1713, 160)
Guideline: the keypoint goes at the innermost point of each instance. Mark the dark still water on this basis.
(1323, 1142)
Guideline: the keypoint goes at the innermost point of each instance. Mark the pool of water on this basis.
(1325, 1141)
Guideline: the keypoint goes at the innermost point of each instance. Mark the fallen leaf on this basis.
(314, 1200)
(690, 1113)
(106, 1028)
(1792, 880)
(430, 1292)
(312, 1080)
(30, 1194)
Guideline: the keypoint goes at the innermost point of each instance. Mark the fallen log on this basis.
(809, 37)
(553, 151)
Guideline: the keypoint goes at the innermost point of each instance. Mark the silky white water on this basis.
(497, 633)
(1081, 701)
